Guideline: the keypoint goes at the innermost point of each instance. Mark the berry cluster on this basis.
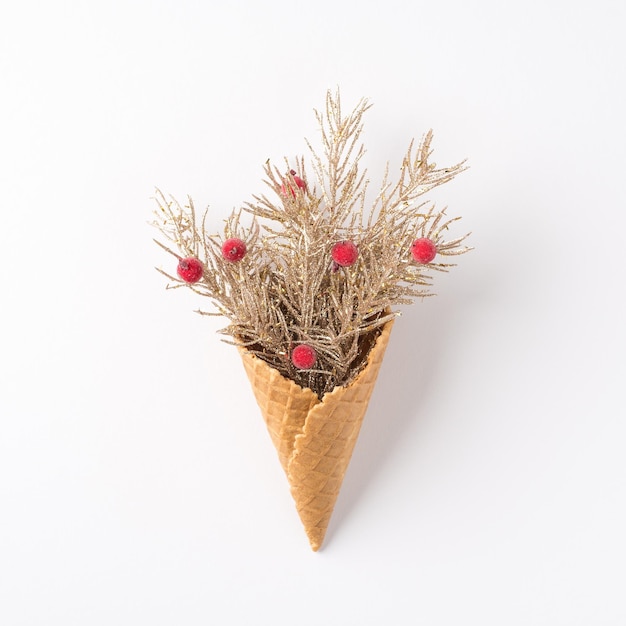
(343, 254)
(319, 269)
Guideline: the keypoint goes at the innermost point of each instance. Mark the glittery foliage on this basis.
(287, 290)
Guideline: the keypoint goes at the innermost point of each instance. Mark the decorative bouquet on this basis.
(309, 288)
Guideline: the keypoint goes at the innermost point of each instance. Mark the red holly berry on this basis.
(423, 250)
(234, 250)
(303, 357)
(190, 270)
(299, 183)
(344, 253)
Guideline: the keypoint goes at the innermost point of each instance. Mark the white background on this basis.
(137, 482)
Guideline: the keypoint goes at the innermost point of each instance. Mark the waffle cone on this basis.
(314, 438)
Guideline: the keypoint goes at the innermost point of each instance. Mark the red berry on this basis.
(234, 250)
(299, 183)
(303, 357)
(190, 270)
(423, 250)
(345, 253)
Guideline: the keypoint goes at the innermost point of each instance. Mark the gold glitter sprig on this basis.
(287, 290)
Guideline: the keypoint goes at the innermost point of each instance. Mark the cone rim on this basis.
(386, 327)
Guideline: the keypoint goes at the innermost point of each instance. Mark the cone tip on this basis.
(315, 536)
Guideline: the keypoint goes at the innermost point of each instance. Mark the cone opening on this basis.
(318, 381)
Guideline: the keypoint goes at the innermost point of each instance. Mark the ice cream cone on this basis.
(314, 438)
